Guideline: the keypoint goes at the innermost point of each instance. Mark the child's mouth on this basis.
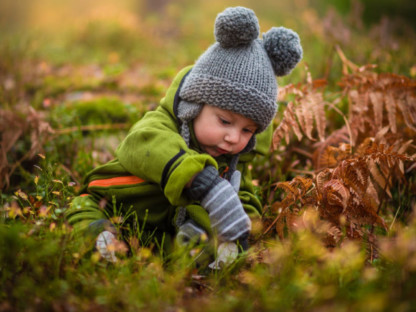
(222, 151)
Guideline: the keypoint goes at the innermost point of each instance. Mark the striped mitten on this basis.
(189, 232)
(219, 198)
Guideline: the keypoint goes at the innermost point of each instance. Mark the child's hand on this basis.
(189, 232)
(226, 212)
(220, 199)
(236, 180)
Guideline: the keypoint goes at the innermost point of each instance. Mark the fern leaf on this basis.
(372, 195)
(317, 105)
(287, 186)
(354, 174)
(380, 135)
(378, 177)
(411, 102)
(304, 182)
(280, 132)
(291, 119)
(358, 108)
(328, 158)
(403, 147)
(408, 117)
(391, 111)
(323, 177)
(280, 224)
(286, 125)
(336, 194)
(377, 101)
(307, 114)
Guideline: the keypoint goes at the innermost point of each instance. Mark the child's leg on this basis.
(84, 211)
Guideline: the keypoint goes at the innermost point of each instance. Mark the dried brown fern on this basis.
(297, 196)
(13, 127)
(356, 166)
(303, 114)
(375, 101)
(348, 196)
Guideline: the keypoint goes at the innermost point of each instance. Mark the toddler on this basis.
(183, 169)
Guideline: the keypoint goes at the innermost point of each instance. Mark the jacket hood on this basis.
(171, 100)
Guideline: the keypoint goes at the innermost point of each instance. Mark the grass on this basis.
(86, 69)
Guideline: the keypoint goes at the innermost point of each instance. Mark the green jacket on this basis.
(155, 152)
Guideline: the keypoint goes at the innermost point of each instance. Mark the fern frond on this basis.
(379, 177)
(318, 105)
(335, 194)
(288, 123)
(391, 112)
(291, 119)
(323, 177)
(377, 100)
(306, 115)
(407, 111)
(354, 173)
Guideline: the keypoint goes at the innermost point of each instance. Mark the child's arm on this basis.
(155, 151)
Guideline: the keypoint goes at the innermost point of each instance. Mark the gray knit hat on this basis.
(237, 73)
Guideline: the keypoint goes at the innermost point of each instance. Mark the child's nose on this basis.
(232, 136)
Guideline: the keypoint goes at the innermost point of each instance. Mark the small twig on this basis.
(346, 121)
(345, 62)
(67, 170)
(115, 126)
(302, 171)
(302, 152)
(271, 225)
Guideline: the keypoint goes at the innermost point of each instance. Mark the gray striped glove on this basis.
(189, 232)
(222, 203)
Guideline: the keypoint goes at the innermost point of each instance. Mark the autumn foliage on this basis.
(355, 167)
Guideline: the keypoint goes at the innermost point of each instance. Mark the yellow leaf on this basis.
(41, 156)
(36, 180)
(52, 226)
(43, 211)
(14, 211)
(21, 194)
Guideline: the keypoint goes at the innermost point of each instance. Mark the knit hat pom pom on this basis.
(236, 26)
(284, 49)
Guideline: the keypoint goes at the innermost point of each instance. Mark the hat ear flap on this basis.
(283, 48)
(187, 112)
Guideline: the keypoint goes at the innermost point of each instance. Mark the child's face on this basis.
(220, 131)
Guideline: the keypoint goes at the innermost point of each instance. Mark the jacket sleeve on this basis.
(155, 151)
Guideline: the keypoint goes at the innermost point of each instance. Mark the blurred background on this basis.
(168, 34)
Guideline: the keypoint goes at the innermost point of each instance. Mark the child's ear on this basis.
(283, 48)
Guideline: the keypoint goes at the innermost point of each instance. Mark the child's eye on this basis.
(224, 121)
(248, 130)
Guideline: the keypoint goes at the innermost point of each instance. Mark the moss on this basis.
(101, 111)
